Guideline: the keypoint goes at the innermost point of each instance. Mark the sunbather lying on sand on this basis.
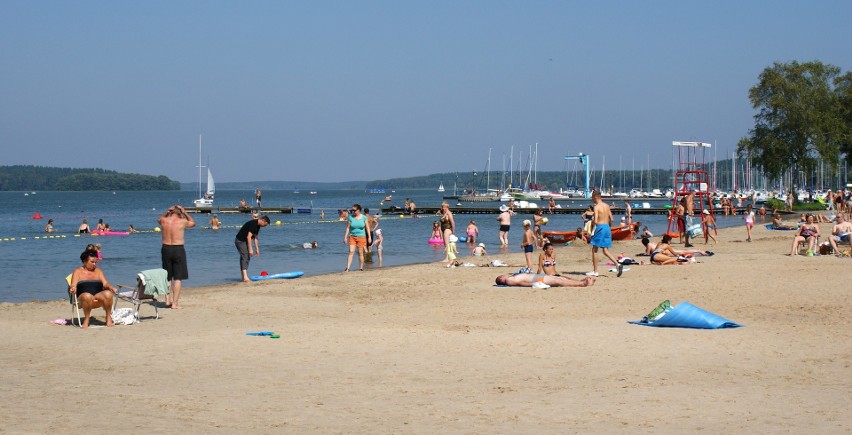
(779, 224)
(651, 247)
(543, 281)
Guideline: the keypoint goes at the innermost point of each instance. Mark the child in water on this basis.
(436, 231)
(472, 232)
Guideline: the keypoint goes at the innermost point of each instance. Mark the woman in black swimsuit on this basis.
(92, 288)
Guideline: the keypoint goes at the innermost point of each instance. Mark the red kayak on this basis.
(618, 233)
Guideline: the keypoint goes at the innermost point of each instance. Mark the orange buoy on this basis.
(36, 216)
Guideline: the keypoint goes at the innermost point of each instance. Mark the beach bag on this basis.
(124, 316)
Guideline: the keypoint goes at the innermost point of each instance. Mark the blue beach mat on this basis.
(686, 315)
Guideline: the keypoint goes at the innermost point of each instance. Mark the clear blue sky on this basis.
(347, 90)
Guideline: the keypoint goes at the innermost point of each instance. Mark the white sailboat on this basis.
(206, 199)
(441, 187)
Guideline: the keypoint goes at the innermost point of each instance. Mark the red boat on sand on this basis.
(618, 233)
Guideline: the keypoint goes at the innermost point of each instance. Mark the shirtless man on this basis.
(680, 212)
(602, 234)
(505, 220)
(173, 221)
(543, 281)
(841, 232)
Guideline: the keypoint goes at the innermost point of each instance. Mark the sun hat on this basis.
(504, 207)
(453, 238)
(705, 211)
(482, 245)
(527, 222)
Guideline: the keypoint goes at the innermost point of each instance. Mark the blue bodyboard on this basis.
(686, 315)
(285, 275)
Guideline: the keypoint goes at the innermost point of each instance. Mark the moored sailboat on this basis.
(205, 199)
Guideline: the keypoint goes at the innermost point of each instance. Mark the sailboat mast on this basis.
(535, 176)
(199, 166)
(511, 162)
(488, 172)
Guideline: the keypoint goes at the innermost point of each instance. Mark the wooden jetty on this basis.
(530, 210)
(248, 210)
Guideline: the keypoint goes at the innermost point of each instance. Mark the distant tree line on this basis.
(27, 177)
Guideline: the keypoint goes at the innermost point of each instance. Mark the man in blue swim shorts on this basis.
(601, 234)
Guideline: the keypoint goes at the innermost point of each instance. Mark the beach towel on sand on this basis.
(686, 315)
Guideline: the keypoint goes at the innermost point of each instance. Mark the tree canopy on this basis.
(803, 114)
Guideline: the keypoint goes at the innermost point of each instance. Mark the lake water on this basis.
(36, 264)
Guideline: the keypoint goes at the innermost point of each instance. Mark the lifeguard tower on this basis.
(690, 176)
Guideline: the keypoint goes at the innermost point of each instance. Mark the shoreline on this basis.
(422, 348)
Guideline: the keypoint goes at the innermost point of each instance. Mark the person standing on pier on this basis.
(173, 254)
(257, 198)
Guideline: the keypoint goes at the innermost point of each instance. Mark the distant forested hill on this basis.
(26, 177)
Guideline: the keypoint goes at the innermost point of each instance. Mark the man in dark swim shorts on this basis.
(173, 254)
(505, 221)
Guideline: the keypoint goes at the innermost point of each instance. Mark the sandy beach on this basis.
(425, 349)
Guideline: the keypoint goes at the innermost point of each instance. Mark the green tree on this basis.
(843, 89)
(798, 118)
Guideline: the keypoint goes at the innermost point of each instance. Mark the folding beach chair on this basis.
(75, 305)
(76, 315)
(149, 285)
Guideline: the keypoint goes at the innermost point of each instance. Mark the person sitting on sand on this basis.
(842, 232)
(547, 261)
(663, 254)
(809, 232)
(92, 288)
(543, 281)
(479, 250)
(583, 235)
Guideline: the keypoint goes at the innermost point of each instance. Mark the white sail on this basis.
(211, 186)
(441, 187)
(205, 200)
